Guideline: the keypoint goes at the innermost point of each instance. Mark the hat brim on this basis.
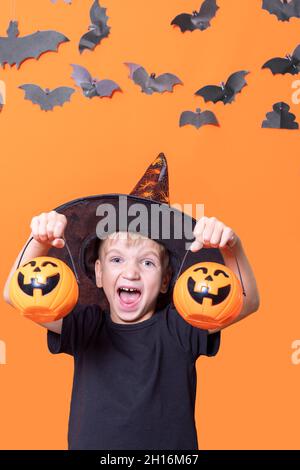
(83, 240)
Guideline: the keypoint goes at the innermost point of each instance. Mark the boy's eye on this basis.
(115, 260)
(148, 262)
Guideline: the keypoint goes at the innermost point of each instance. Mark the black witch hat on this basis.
(160, 222)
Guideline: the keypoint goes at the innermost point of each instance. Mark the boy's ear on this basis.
(98, 273)
(166, 280)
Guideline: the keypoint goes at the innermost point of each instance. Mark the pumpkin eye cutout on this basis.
(220, 271)
(208, 295)
(45, 263)
(204, 270)
(44, 289)
(30, 263)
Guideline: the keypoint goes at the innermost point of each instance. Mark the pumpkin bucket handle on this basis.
(68, 250)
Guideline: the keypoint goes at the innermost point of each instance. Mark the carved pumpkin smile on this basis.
(51, 283)
(205, 293)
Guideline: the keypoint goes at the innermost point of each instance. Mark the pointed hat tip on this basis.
(154, 184)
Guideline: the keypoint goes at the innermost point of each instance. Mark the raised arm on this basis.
(47, 229)
(211, 232)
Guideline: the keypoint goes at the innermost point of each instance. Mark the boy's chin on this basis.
(131, 315)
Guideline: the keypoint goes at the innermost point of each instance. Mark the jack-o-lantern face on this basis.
(44, 289)
(211, 286)
(208, 295)
(38, 275)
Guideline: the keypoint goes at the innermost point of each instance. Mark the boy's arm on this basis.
(47, 230)
(211, 232)
(251, 299)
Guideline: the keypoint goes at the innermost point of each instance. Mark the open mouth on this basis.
(129, 296)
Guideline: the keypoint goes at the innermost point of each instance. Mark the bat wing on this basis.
(283, 11)
(211, 93)
(106, 87)
(208, 10)
(81, 75)
(132, 68)
(91, 39)
(296, 53)
(141, 78)
(98, 30)
(198, 119)
(165, 82)
(280, 65)
(15, 50)
(184, 22)
(187, 117)
(235, 83)
(98, 14)
(207, 117)
(59, 96)
(36, 95)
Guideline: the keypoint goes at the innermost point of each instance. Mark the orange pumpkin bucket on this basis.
(208, 295)
(44, 289)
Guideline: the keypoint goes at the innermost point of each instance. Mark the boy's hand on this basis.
(48, 229)
(210, 232)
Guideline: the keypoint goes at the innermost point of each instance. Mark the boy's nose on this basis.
(131, 271)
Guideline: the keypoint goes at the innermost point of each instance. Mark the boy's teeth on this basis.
(128, 290)
(129, 295)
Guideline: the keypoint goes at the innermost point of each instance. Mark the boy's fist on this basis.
(48, 228)
(210, 232)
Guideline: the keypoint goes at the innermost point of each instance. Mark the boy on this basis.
(134, 377)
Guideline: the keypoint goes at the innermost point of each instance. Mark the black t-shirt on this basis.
(134, 385)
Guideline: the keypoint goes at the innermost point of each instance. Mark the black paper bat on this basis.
(14, 50)
(283, 9)
(198, 19)
(227, 91)
(92, 87)
(97, 30)
(47, 99)
(289, 64)
(150, 83)
(198, 119)
(280, 118)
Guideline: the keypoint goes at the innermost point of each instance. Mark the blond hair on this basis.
(135, 238)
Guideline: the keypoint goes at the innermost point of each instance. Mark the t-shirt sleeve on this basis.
(79, 328)
(191, 339)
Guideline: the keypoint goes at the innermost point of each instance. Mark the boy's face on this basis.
(139, 264)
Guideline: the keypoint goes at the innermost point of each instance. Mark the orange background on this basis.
(248, 177)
